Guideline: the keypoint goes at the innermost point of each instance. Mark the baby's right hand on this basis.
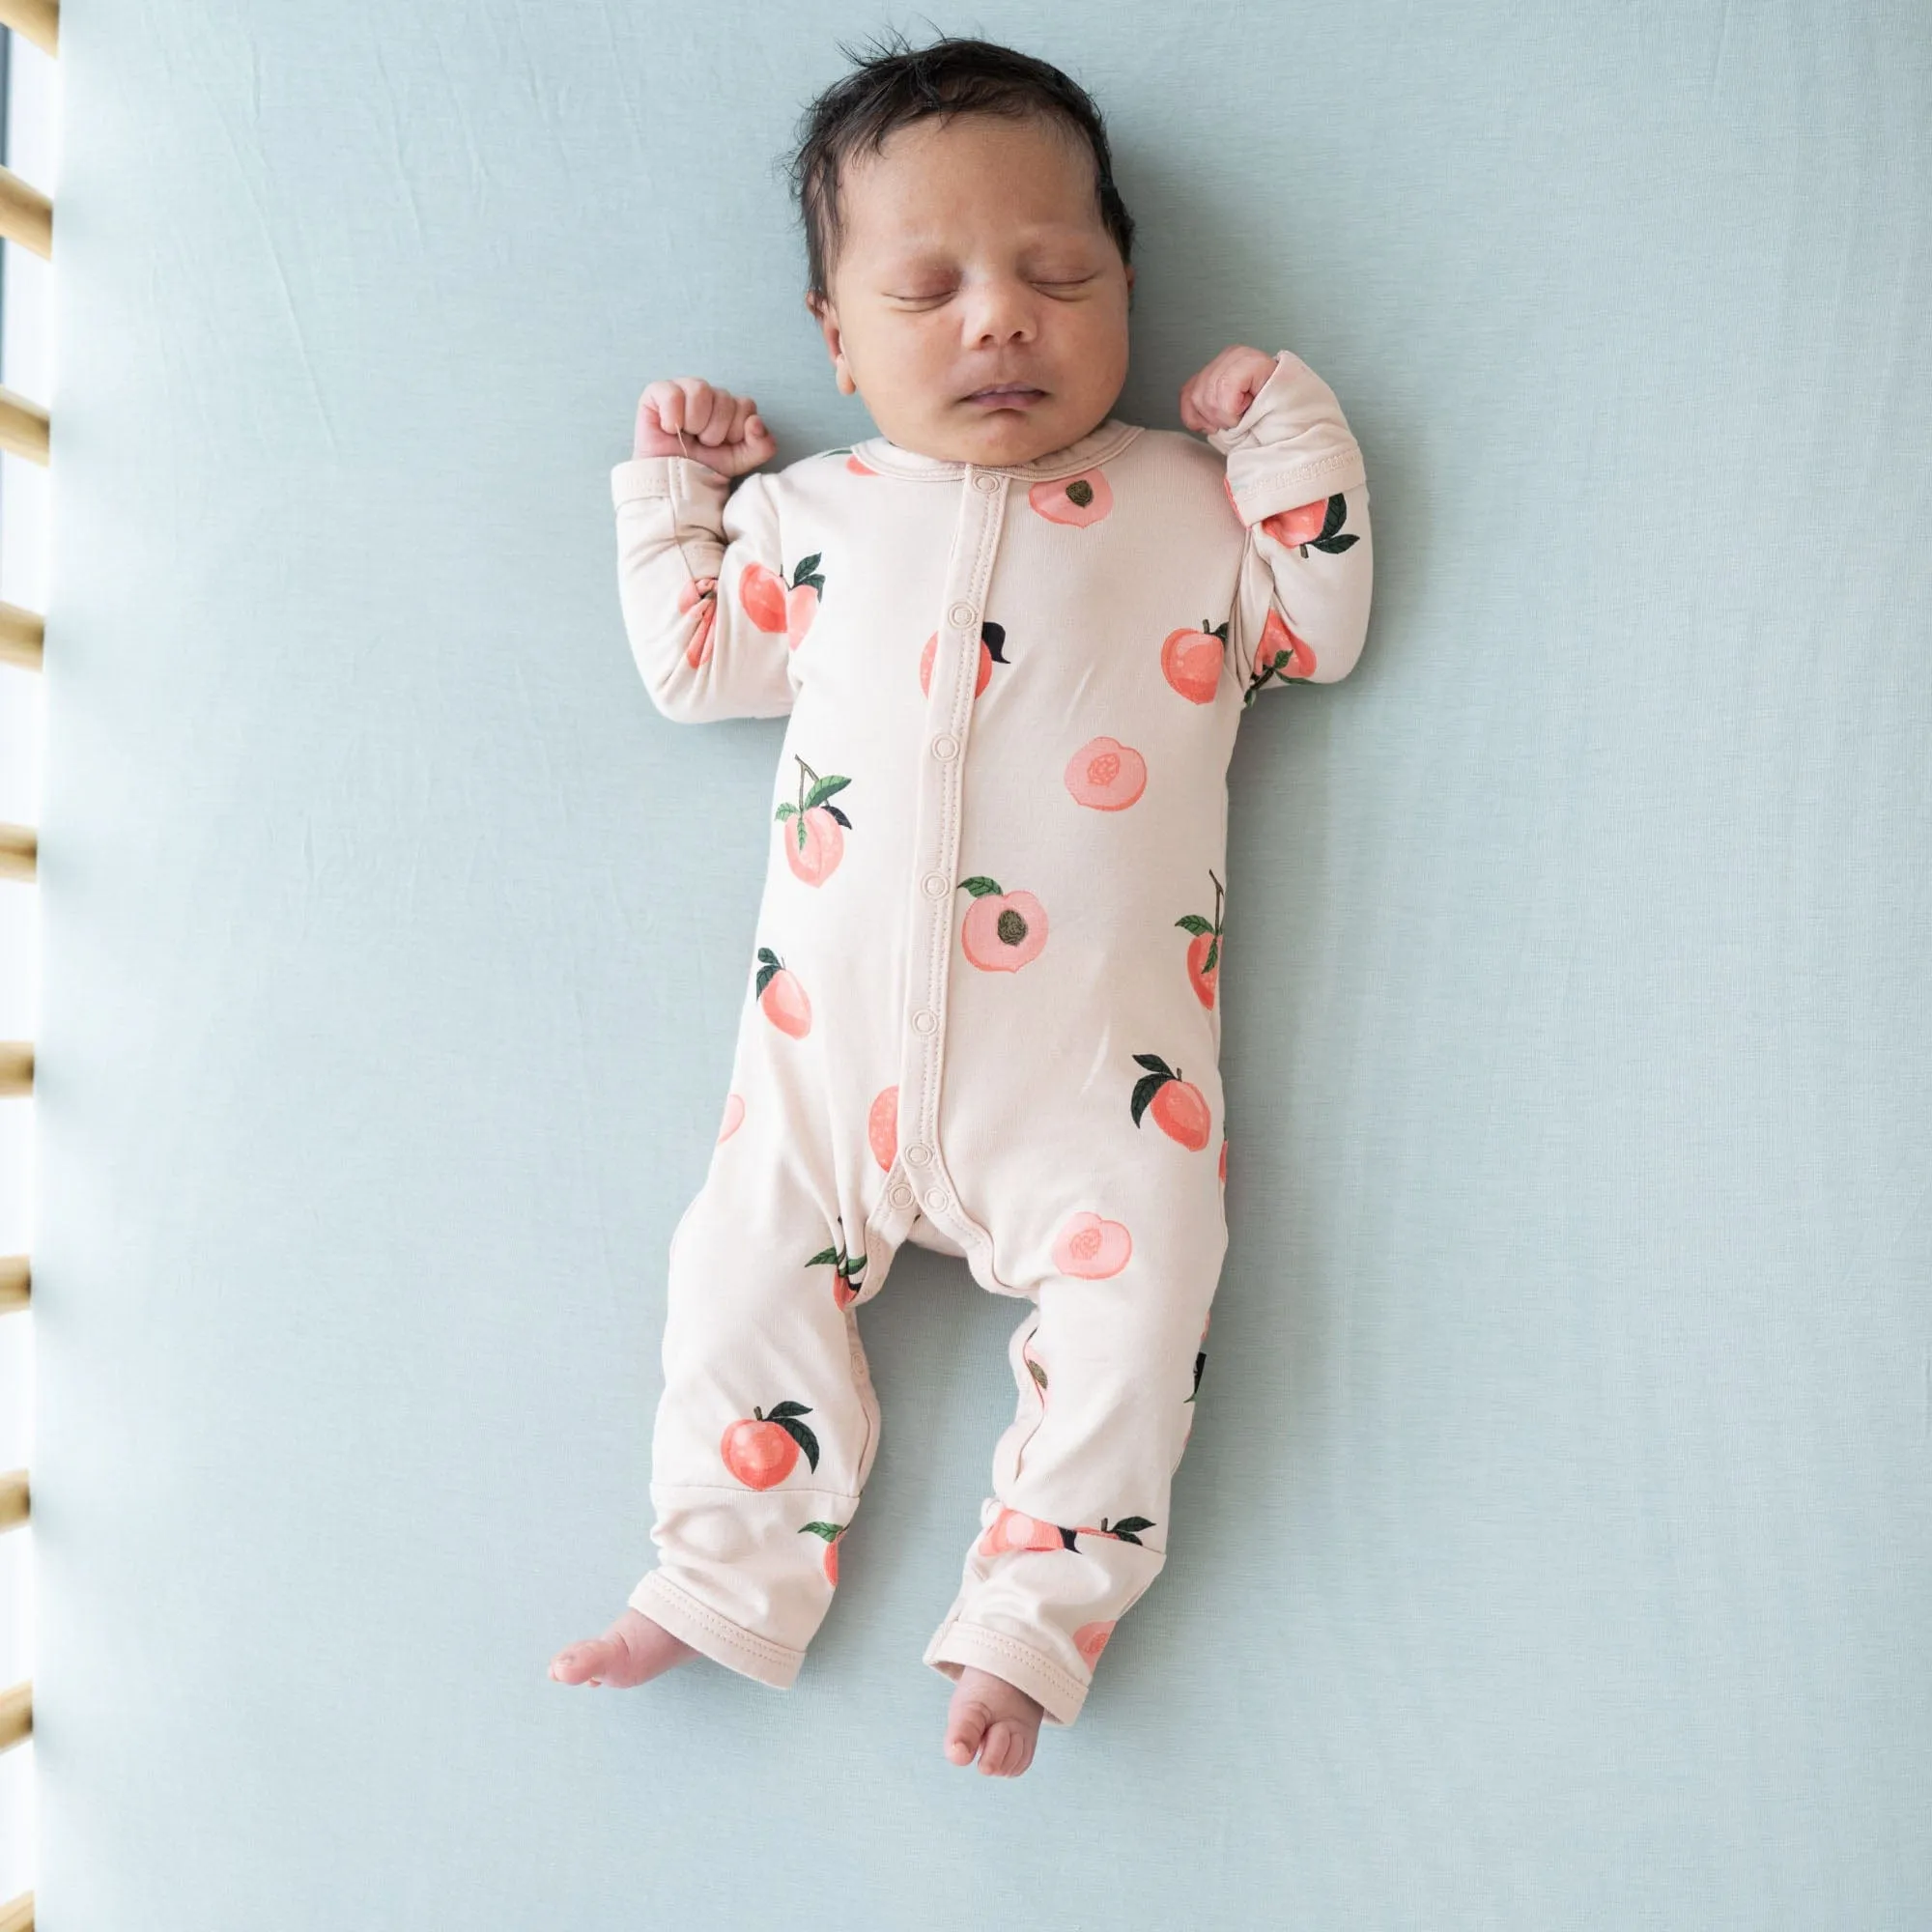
(722, 431)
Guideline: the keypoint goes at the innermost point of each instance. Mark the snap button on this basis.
(924, 1020)
(919, 1153)
(902, 1195)
(960, 615)
(935, 885)
(939, 1200)
(946, 746)
(985, 482)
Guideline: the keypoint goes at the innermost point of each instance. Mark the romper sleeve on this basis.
(1297, 481)
(700, 579)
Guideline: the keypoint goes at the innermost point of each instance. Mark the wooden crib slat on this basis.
(16, 1066)
(16, 1282)
(23, 427)
(15, 1503)
(19, 851)
(23, 636)
(40, 21)
(16, 1715)
(17, 1914)
(26, 214)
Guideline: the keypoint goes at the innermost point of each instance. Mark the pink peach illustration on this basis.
(1092, 1247)
(1003, 931)
(1091, 1639)
(1106, 774)
(854, 462)
(1013, 1529)
(734, 1115)
(1192, 660)
(1224, 1162)
(1299, 525)
(882, 1125)
(1033, 1369)
(1179, 1107)
(1078, 500)
(832, 1532)
(992, 641)
(847, 1270)
(1315, 526)
(780, 997)
(761, 1450)
(775, 605)
(815, 837)
(1203, 949)
(700, 589)
(1126, 1530)
(1279, 653)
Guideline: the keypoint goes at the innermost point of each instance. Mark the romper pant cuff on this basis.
(715, 1636)
(1057, 1694)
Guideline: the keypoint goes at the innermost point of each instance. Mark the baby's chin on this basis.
(994, 437)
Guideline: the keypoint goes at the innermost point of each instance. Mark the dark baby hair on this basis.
(894, 84)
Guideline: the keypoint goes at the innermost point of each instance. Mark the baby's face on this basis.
(974, 255)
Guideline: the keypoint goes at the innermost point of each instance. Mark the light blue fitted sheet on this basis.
(1555, 1551)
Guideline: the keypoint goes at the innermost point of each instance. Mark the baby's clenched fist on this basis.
(685, 416)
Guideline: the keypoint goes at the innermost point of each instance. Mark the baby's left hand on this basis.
(1218, 397)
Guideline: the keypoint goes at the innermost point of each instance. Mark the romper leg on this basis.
(1077, 1526)
(768, 1423)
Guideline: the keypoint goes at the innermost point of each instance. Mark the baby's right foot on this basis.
(631, 1651)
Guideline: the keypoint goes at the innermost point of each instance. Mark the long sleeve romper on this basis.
(981, 1002)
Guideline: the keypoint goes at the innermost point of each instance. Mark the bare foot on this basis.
(631, 1651)
(989, 1716)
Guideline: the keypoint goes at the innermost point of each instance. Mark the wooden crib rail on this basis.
(40, 21)
(26, 214)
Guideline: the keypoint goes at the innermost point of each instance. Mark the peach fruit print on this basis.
(1092, 1248)
(761, 1449)
(1192, 660)
(774, 604)
(1033, 1369)
(815, 830)
(1003, 931)
(832, 1532)
(854, 462)
(1106, 774)
(1313, 525)
(993, 642)
(1176, 1107)
(1200, 1362)
(847, 1270)
(781, 998)
(1014, 1529)
(1281, 654)
(1091, 1639)
(702, 589)
(1203, 949)
(734, 1116)
(882, 1125)
(1079, 500)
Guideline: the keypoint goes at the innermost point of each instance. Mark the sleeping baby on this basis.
(1013, 637)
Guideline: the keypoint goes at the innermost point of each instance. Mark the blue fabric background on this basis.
(1555, 1546)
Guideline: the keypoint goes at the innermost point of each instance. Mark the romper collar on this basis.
(1098, 444)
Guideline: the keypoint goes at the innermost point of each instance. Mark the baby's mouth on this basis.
(1014, 397)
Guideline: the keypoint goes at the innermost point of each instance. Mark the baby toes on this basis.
(965, 1727)
(1008, 1750)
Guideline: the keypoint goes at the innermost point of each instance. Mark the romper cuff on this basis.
(716, 1637)
(1057, 1694)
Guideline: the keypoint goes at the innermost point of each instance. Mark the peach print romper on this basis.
(980, 1006)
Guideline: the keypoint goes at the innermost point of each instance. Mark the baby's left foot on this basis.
(989, 1716)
